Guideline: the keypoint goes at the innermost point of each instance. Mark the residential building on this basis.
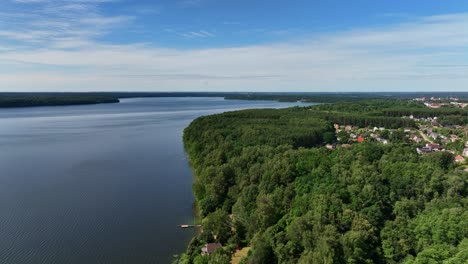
(210, 248)
(459, 159)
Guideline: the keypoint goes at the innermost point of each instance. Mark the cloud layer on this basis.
(58, 46)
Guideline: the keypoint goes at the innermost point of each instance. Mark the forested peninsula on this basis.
(372, 181)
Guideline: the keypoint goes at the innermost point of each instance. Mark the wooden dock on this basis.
(189, 226)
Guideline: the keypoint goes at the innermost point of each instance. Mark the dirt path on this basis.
(425, 137)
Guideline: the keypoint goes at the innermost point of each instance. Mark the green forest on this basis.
(30, 99)
(12, 100)
(264, 179)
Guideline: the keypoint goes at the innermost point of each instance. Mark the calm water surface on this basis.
(99, 184)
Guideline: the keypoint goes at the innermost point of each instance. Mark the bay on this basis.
(102, 183)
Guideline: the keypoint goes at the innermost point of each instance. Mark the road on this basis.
(425, 137)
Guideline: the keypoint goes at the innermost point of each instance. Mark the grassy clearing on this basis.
(236, 258)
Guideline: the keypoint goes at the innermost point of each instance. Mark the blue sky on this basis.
(218, 45)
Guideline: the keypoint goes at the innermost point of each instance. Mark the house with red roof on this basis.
(459, 158)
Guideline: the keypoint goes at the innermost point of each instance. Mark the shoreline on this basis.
(38, 99)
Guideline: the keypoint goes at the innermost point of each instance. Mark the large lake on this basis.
(99, 183)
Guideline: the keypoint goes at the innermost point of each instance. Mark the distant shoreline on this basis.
(20, 100)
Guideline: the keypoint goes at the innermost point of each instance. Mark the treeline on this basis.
(461, 120)
(262, 179)
(29, 100)
(366, 113)
(425, 112)
(57, 98)
(339, 97)
(396, 108)
(361, 120)
(372, 106)
(305, 97)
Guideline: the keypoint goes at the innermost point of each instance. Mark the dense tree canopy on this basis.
(262, 178)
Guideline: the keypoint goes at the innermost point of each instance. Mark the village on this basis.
(429, 136)
(440, 102)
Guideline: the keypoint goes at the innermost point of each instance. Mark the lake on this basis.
(102, 183)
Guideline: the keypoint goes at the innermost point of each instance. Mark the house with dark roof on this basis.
(210, 248)
(423, 150)
(434, 147)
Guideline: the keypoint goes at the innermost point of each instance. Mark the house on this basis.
(210, 248)
(331, 146)
(454, 138)
(459, 158)
(416, 139)
(383, 141)
(434, 135)
(465, 152)
(375, 129)
(434, 147)
(423, 150)
(435, 105)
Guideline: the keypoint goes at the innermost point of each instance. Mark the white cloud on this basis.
(30, 1)
(47, 23)
(367, 59)
(196, 34)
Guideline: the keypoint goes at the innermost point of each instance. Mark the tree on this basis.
(217, 226)
(329, 137)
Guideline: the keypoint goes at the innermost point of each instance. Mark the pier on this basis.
(189, 226)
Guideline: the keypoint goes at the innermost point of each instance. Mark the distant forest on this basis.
(9, 100)
(342, 97)
(264, 179)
